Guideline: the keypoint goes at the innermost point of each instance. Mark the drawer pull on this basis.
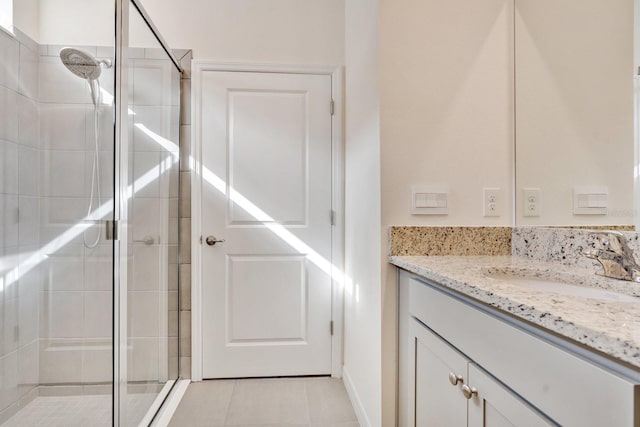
(455, 379)
(469, 392)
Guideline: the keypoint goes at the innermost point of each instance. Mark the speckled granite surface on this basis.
(433, 241)
(563, 245)
(611, 327)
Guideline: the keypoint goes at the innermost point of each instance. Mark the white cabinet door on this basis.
(266, 191)
(434, 400)
(495, 406)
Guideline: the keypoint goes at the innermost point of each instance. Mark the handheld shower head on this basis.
(85, 66)
(81, 63)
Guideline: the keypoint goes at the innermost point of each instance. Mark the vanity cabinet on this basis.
(449, 390)
(521, 374)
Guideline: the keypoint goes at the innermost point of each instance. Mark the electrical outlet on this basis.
(491, 204)
(531, 202)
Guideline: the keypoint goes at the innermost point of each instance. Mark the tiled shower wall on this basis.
(19, 228)
(185, 216)
(56, 314)
(76, 291)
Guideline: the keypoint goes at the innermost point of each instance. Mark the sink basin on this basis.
(563, 288)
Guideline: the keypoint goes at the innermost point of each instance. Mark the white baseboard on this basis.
(170, 406)
(355, 399)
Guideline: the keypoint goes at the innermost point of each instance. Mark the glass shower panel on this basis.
(152, 231)
(56, 192)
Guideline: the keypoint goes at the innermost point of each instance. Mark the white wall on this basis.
(574, 77)
(76, 22)
(280, 31)
(447, 106)
(26, 17)
(362, 223)
(446, 113)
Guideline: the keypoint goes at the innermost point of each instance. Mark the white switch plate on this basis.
(531, 202)
(491, 202)
(429, 200)
(591, 200)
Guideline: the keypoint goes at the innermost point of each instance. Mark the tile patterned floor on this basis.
(295, 402)
(77, 411)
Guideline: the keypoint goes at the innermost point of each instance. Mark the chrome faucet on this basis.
(615, 256)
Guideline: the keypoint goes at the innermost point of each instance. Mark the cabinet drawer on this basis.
(570, 390)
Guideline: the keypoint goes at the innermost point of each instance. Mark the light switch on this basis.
(429, 200)
(590, 200)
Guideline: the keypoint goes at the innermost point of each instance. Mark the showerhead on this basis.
(85, 66)
(82, 64)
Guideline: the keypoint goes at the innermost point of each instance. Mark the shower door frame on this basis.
(121, 205)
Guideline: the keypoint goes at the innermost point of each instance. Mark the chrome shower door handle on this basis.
(147, 240)
(212, 240)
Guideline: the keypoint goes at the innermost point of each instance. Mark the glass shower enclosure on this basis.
(89, 155)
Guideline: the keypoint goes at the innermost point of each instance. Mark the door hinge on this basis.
(331, 327)
(332, 107)
(332, 217)
(111, 229)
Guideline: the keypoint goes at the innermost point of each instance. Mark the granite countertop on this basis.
(610, 327)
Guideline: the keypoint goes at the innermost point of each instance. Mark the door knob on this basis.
(212, 240)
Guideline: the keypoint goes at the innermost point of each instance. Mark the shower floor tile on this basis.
(76, 411)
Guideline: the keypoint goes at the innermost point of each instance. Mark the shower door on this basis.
(148, 219)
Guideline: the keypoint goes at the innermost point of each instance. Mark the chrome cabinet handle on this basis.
(455, 379)
(212, 240)
(469, 392)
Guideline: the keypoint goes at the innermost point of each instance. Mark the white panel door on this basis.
(266, 191)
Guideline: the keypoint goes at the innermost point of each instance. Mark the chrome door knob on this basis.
(455, 379)
(212, 240)
(469, 392)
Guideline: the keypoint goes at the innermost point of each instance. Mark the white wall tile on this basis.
(8, 168)
(98, 268)
(60, 361)
(61, 314)
(28, 292)
(146, 268)
(146, 172)
(9, 66)
(146, 218)
(150, 118)
(97, 362)
(59, 85)
(28, 221)
(142, 361)
(28, 122)
(60, 172)
(105, 169)
(62, 126)
(143, 314)
(105, 52)
(8, 324)
(28, 171)
(65, 269)
(8, 220)
(27, 368)
(105, 129)
(8, 380)
(28, 72)
(59, 214)
(98, 314)
(148, 78)
(8, 115)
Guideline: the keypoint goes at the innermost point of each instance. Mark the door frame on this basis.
(337, 200)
